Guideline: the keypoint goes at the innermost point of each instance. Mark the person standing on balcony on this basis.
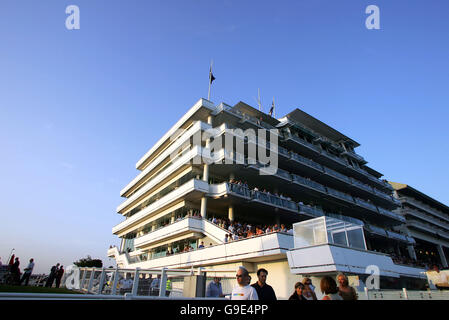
(264, 291)
(243, 291)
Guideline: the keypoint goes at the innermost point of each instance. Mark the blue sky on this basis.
(79, 108)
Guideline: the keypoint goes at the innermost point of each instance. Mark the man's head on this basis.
(31, 260)
(262, 276)
(242, 276)
(217, 279)
(57, 265)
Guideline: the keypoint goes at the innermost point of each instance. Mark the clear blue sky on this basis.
(79, 108)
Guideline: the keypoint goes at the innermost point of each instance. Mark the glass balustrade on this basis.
(309, 183)
(317, 212)
(340, 194)
(362, 185)
(337, 174)
(365, 204)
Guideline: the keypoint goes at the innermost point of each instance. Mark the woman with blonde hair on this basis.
(308, 290)
(344, 289)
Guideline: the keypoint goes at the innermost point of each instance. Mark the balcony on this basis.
(308, 183)
(334, 157)
(390, 214)
(425, 208)
(361, 185)
(302, 142)
(313, 211)
(340, 195)
(305, 161)
(239, 190)
(383, 195)
(179, 228)
(366, 204)
(354, 156)
(337, 175)
(422, 226)
(262, 247)
(426, 217)
(274, 200)
(190, 187)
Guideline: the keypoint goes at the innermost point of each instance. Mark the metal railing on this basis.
(403, 294)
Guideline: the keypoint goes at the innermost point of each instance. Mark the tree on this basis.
(89, 262)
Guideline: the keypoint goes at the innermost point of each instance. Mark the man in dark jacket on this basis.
(58, 276)
(264, 291)
(52, 275)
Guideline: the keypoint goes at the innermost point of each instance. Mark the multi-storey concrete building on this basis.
(427, 221)
(179, 201)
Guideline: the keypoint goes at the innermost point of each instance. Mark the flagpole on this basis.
(210, 74)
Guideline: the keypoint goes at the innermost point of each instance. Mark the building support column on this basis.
(412, 253)
(442, 256)
(205, 177)
(231, 213)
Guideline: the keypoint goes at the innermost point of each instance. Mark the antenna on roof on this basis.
(258, 99)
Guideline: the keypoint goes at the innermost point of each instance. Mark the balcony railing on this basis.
(366, 204)
(314, 211)
(274, 200)
(334, 157)
(354, 156)
(309, 145)
(426, 208)
(340, 195)
(390, 214)
(426, 217)
(337, 175)
(361, 185)
(240, 190)
(309, 183)
(382, 194)
(306, 161)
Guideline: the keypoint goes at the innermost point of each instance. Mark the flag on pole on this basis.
(211, 76)
(211, 79)
(272, 108)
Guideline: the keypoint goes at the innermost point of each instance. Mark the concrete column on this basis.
(153, 227)
(205, 177)
(172, 219)
(412, 253)
(231, 213)
(442, 256)
(203, 207)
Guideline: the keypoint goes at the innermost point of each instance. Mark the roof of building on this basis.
(316, 125)
(411, 192)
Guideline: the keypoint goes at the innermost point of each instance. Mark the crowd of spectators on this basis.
(245, 185)
(238, 231)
